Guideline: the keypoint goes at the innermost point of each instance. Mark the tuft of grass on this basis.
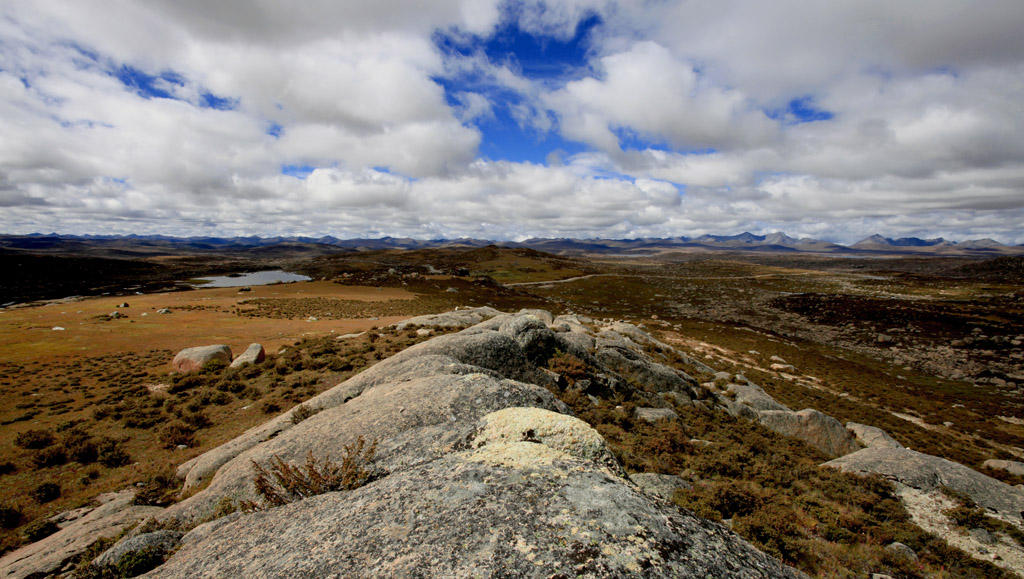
(282, 483)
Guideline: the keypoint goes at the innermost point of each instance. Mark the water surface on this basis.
(254, 278)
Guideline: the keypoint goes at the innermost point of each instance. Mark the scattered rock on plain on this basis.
(193, 359)
(254, 354)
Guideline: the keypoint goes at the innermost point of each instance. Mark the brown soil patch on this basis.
(203, 316)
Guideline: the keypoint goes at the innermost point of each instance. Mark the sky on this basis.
(507, 120)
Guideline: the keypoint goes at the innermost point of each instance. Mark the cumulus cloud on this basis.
(833, 119)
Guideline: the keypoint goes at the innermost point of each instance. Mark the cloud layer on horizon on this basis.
(462, 118)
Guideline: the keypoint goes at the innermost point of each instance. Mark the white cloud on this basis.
(647, 91)
(926, 131)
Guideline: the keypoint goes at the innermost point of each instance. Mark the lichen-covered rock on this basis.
(660, 485)
(254, 354)
(512, 509)
(158, 543)
(555, 430)
(815, 428)
(193, 359)
(928, 473)
(50, 554)
(872, 436)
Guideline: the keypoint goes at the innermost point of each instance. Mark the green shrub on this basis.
(10, 517)
(50, 456)
(46, 492)
(302, 412)
(40, 530)
(34, 439)
(79, 445)
(159, 490)
(111, 455)
(177, 433)
(773, 530)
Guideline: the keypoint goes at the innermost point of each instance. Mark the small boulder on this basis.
(123, 305)
(872, 436)
(813, 427)
(163, 311)
(902, 550)
(983, 536)
(193, 359)
(156, 544)
(116, 315)
(254, 354)
(1011, 466)
(656, 414)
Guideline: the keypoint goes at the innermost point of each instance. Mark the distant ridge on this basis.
(777, 242)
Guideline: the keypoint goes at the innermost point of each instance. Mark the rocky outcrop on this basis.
(930, 473)
(872, 436)
(254, 354)
(815, 428)
(455, 319)
(523, 508)
(193, 359)
(114, 514)
(484, 471)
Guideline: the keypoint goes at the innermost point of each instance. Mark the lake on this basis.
(254, 278)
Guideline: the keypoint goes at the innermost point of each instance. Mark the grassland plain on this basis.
(932, 357)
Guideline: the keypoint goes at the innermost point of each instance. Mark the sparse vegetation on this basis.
(281, 483)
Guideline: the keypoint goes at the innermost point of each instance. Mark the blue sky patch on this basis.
(297, 171)
(801, 110)
(275, 130)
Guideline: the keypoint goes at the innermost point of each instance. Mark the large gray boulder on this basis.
(815, 428)
(929, 473)
(518, 508)
(193, 359)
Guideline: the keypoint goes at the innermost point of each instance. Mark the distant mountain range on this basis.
(773, 243)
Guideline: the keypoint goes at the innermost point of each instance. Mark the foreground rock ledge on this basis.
(488, 476)
(511, 509)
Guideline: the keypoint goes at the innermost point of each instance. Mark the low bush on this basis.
(302, 412)
(50, 456)
(34, 439)
(282, 483)
(111, 455)
(176, 434)
(10, 517)
(46, 492)
(159, 489)
(39, 530)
